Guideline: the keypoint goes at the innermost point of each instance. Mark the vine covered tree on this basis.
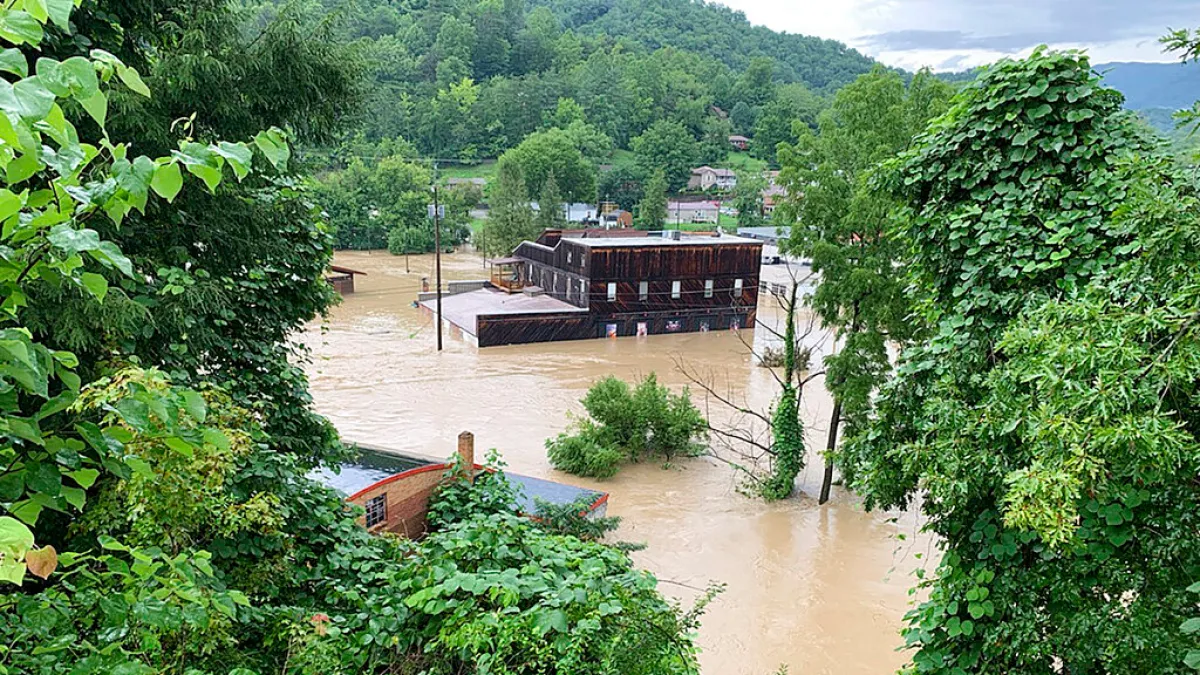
(841, 223)
(1048, 414)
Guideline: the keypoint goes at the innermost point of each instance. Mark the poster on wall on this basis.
(674, 326)
(642, 329)
(704, 325)
(611, 331)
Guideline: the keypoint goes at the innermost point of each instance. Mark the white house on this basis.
(679, 213)
(706, 178)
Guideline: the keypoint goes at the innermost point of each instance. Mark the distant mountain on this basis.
(1148, 86)
(715, 31)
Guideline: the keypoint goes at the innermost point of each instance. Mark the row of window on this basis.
(676, 289)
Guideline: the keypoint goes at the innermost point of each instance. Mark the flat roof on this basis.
(463, 309)
(614, 242)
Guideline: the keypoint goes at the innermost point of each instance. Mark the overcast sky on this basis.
(958, 34)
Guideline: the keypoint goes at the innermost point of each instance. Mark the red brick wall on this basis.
(408, 496)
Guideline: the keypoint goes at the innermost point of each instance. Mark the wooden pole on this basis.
(466, 453)
(437, 247)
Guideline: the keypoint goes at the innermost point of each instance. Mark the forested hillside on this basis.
(467, 79)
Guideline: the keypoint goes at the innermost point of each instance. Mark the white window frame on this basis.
(738, 287)
(612, 291)
(643, 290)
(676, 290)
(708, 288)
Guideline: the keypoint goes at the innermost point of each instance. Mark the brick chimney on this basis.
(466, 453)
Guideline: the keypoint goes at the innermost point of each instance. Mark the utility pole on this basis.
(437, 247)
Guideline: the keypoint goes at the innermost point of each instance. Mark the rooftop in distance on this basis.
(659, 239)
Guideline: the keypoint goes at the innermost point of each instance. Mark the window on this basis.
(570, 287)
(376, 510)
(737, 286)
(568, 257)
(676, 289)
(643, 290)
(708, 288)
(583, 290)
(612, 292)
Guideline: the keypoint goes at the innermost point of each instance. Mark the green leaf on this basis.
(34, 98)
(239, 156)
(15, 538)
(60, 12)
(193, 402)
(168, 181)
(74, 241)
(9, 203)
(210, 175)
(26, 510)
(95, 284)
(13, 61)
(74, 496)
(96, 105)
(22, 168)
(37, 9)
(86, 478)
(132, 80)
(1191, 626)
(81, 73)
(274, 147)
(20, 28)
(43, 477)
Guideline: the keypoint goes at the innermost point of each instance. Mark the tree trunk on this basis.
(830, 446)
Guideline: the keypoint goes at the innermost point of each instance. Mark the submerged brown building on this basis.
(578, 284)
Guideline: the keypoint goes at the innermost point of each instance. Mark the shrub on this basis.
(584, 454)
(628, 424)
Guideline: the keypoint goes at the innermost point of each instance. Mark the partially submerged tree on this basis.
(841, 223)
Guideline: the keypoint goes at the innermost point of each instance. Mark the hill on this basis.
(1146, 86)
(717, 32)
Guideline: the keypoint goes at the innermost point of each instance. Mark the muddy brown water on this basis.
(821, 590)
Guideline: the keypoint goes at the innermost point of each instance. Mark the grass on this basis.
(741, 161)
(485, 169)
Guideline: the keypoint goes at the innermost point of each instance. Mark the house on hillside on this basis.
(616, 219)
(702, 212)
(578, 284)
(707, 178)
(739, 142)
(460, 182)
(773, 194)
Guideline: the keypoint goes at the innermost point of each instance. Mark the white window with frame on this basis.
(737, 286)
(583, 289)
(643, 290)
(612, 291)
(568, 257)
(570, 289)
(676, 289)
(376, 510)
(708, 288)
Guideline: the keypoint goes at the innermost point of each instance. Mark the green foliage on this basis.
(628, 424)
(668, 147)
(457, 499)
(652, 208)
(510, 220)
(553, 153)
(1048, 416)
(365, 202)
(550, 206)
(1192, 627)
(748, 199)
(842, 223)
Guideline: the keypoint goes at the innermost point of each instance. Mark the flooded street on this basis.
(819, 589)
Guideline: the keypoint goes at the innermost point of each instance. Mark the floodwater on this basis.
(821, 590)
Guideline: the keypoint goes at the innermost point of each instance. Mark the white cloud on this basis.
(956, 34)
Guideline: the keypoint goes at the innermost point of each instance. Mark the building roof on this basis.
(693, 206)
(739, 139)
(768, 234)
(724, 173)
(464, 309)
(656, 239)
(345, 270)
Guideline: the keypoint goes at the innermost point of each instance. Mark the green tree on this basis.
(510, 220)
(748, 199)
(622, 185)
(1048, 413)
(668, 147)
(652, 209)
(842, 223)
(553, 152)
(550, 206)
